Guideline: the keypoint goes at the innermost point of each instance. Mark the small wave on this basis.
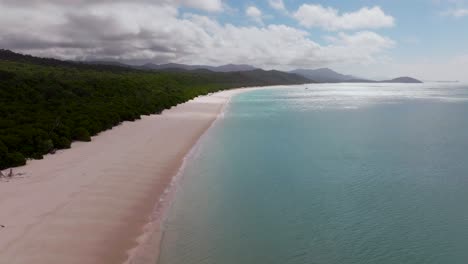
(148, 243)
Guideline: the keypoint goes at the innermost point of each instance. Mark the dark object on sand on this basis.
(9, 175)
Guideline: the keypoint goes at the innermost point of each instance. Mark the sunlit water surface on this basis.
(332, 174)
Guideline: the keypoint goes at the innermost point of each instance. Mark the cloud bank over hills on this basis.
(164, 31)
(271, 34)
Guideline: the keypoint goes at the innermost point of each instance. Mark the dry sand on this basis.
(90, 204)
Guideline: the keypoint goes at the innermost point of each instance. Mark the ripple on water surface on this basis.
(337, 173)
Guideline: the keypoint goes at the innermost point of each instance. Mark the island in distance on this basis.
(322, 75)
(325, 75)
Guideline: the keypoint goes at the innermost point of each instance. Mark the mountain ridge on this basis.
(323, 75)
(320, 75)
(326, 75)
(222, 68)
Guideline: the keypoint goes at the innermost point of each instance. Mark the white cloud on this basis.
(363, 47)
(159, 33)
(461, 12)
(328, 18)
(254, 13)
(277, 5)
(207, 5)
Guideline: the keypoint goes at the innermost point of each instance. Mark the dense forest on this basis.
(45, 104)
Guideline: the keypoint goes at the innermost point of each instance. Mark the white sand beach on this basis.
(89, 204)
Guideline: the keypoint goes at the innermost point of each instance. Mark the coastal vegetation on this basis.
(45, 104)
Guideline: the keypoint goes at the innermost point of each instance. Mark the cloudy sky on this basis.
(427, 39)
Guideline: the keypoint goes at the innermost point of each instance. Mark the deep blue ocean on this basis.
(328, 174)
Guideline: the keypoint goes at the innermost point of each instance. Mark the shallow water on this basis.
(336, 173)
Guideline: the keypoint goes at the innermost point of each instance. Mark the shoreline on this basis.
(148, 246)
(95, 202)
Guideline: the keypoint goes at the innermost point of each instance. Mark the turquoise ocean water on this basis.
(336, 173)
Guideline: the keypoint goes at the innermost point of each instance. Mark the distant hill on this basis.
(402, 80)
(234, 67)
(395, 80)
(175, 66)
(325, 75)
(222, 68)
(8, 55)
(321, 75)
(232, 74)
(152, 66)
(108, 63)
(273, 77)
